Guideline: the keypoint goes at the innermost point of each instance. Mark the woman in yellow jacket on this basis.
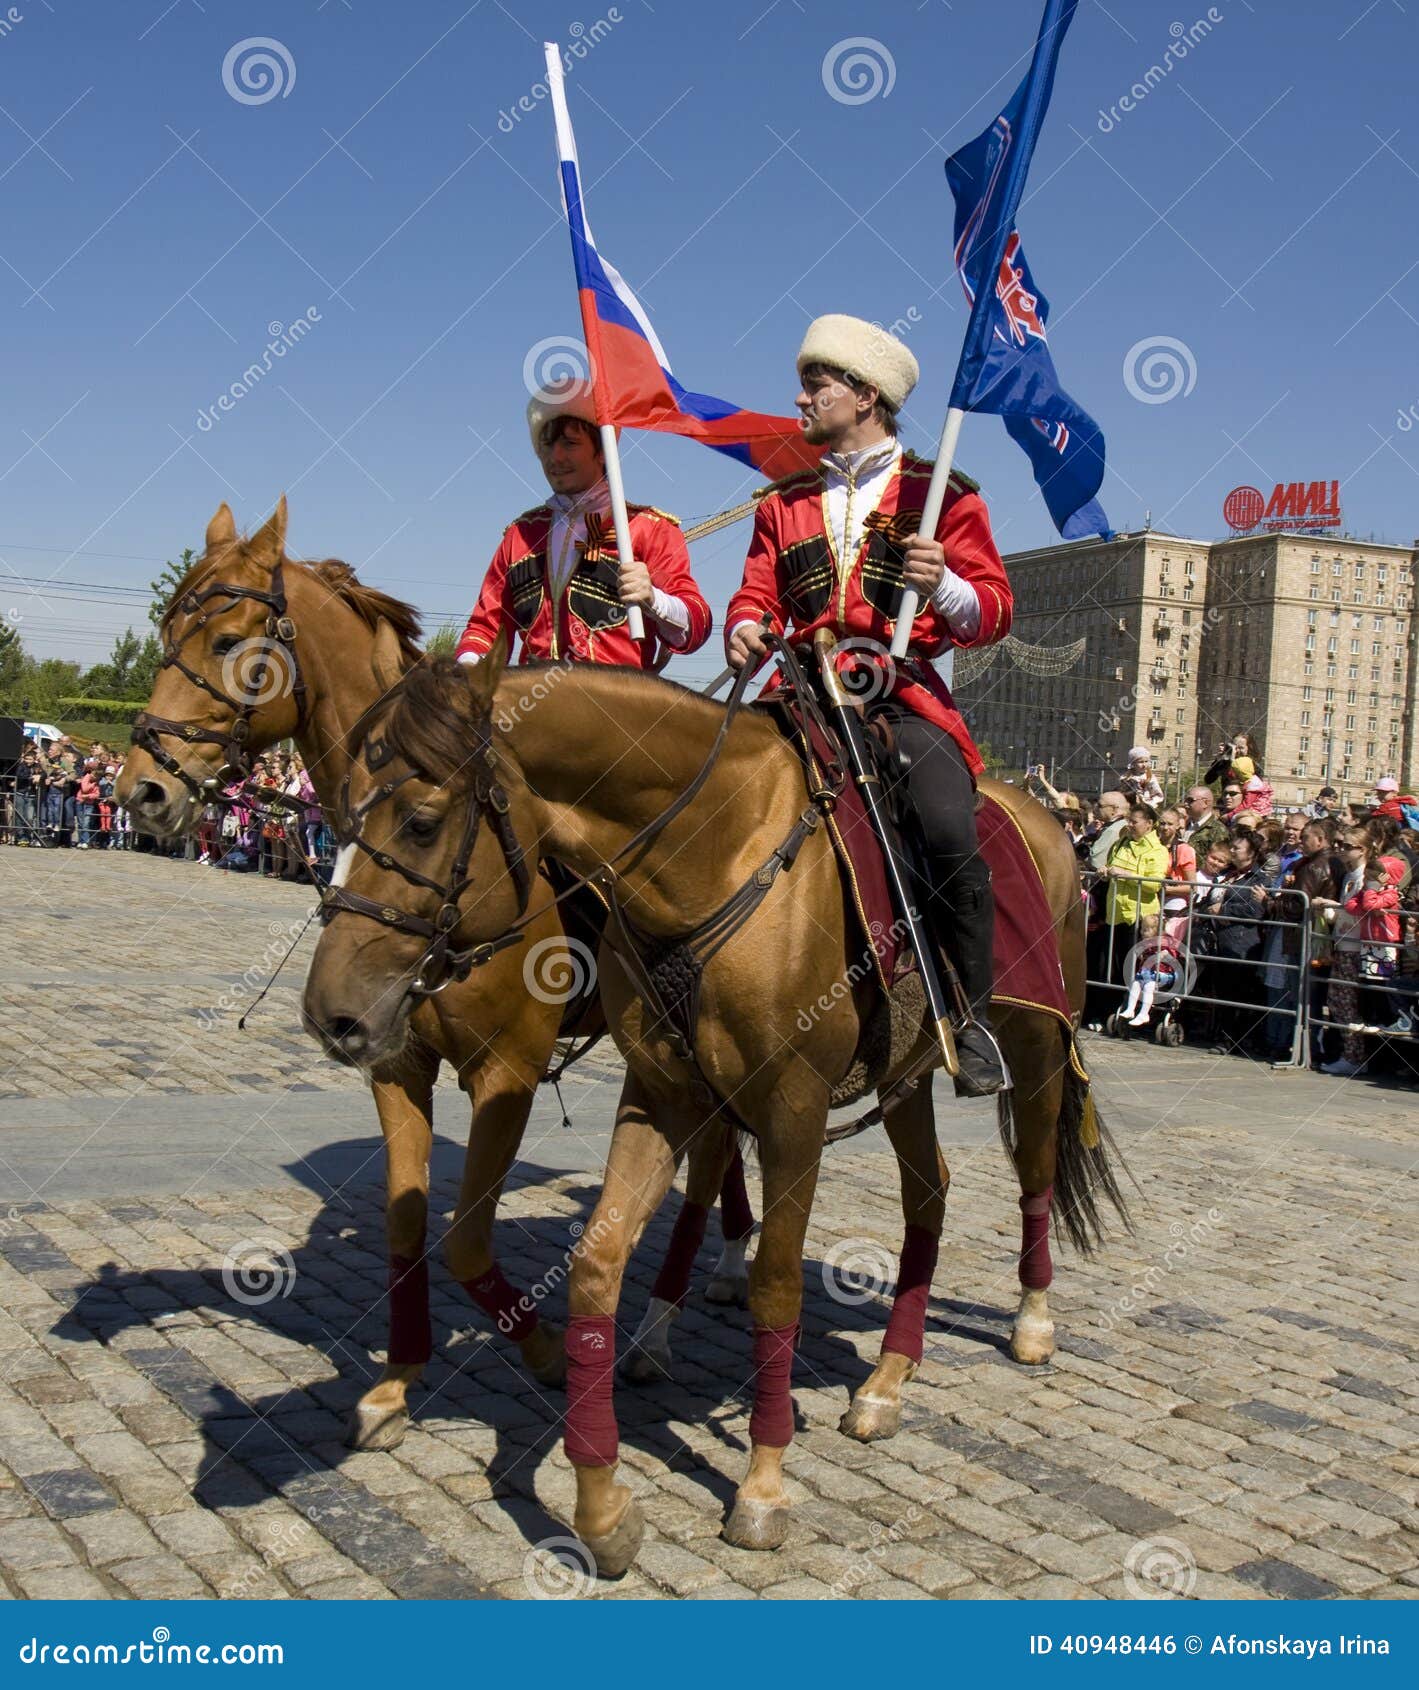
(1137, 867)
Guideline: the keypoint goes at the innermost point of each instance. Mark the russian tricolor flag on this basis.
(630, 373)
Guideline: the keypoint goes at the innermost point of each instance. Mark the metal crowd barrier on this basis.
(1278, 996)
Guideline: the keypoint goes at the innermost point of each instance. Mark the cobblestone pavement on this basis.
(1232, 1411)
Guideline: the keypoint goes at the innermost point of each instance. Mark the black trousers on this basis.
(941, 828)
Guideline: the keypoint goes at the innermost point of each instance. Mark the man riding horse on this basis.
(557, 580)
(833, 548)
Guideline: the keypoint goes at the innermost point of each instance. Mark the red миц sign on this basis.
(1307, 505)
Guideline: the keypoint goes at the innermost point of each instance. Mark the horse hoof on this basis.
(376, 1428)
(757, 1525)
(1032, 1341)
(614, 1551)
(646, 1367)
(728, 1291)
(545, 1356)
(871, 1419)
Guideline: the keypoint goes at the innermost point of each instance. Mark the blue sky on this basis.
(1253, 219)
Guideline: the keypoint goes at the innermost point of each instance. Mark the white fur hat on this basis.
(863, 350)
(570, 397)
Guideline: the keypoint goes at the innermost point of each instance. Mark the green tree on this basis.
(162, 589)
(442, 641)
(130, 671)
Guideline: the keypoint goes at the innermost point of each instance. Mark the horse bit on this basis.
(440, 963)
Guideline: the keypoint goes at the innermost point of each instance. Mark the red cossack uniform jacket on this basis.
(588, 622)
(792, 572)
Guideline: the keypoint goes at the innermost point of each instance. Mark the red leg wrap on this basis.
(907, 1322)
(1036, 1269)
(411, 1340)
(513, 1311)
(736, 1217)
(772, 1420)
(673, 1280)
(591, 1416)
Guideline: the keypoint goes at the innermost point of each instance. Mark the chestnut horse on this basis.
(451, 783)
(262, 648)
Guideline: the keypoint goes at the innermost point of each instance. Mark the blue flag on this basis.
(1006, 367)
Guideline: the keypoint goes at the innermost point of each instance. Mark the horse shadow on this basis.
(320, 1313)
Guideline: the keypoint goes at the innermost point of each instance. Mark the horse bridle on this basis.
(440, 963)
(149, 731)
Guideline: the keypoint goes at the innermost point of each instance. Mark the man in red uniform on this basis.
(834, 547)
(557, 581)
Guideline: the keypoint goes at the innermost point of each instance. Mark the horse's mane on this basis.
(368, 603)
(433, 713)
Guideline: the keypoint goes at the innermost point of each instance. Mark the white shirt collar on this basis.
(570, 506)
(866, 461)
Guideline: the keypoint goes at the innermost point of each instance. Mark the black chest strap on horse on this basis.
(667, 973)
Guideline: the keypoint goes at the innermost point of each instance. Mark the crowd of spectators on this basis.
(1244, 921)
(59, 797)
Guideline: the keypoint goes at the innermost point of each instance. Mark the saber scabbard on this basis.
(899, 880)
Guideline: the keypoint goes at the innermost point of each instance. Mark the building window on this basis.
(1315, 566)
(1187, 589)
(1305, 692)
(1335, 595)
(1305, 718)
(1315, 592)
(1337, 569)
(1312, 617)
(1310, 642)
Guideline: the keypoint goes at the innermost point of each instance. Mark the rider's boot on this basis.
(964, 920)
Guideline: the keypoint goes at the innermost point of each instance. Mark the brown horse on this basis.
(451, 780)
(261, 648)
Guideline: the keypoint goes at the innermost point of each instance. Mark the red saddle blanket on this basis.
(1027, 966)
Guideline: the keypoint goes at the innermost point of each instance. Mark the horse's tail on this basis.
(1086, 1159)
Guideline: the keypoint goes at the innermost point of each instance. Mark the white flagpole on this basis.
(930, 516)
(566, 150)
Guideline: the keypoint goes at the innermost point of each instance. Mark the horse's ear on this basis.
(489, 671)
(269, 545)
(387, 658)
(221, 530)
